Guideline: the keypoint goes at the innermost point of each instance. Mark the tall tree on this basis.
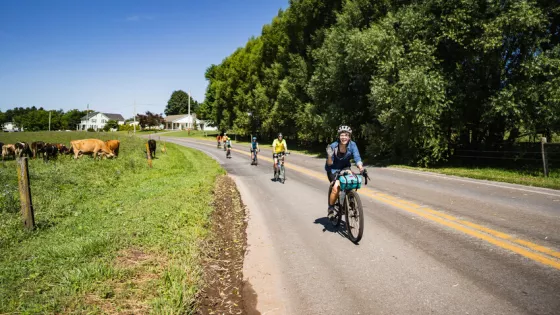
(179, 103)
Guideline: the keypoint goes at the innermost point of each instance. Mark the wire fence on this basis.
(545, 156)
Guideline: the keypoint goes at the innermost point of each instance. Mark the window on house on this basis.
(94, 120)
(103, 121)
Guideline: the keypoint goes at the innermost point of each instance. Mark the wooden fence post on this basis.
(149, 155)
(544, 157)
(25, 193)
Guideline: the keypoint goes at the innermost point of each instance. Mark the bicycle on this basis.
(228, 152)
(255, 160)
(349, 203)
(280, 174)
(219, 145)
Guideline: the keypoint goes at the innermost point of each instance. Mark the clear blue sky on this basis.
(65, 54)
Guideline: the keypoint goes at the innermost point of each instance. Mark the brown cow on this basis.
(62, 149)
(22, 149)
(7, 150)
(38, 148)
(113, 145)
(90, 146)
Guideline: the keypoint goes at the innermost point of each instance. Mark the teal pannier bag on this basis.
(350, 181)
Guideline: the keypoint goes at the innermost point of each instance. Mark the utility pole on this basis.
(134, 116)
(189, 100)
(49, 120)
(87, 117)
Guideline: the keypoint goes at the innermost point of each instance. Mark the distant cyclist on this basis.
(339, 154)
(219, 139)
(225, 139)
(254, 149)
(279, 147)
(227, 145)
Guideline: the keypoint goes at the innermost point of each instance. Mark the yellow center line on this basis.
(492, 236)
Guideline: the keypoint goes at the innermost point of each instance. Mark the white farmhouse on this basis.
(97, 120)
(11, 127)
(185, 121)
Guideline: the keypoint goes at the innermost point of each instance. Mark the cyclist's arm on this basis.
(357, 157)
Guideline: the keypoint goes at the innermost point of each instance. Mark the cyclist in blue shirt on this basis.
(339, 154)
(254, 148)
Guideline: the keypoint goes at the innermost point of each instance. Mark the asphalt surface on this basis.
(432, 244)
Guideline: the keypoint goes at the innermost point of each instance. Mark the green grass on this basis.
(533, 177)
(111, 235)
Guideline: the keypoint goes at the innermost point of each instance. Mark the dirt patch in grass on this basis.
(224, 253)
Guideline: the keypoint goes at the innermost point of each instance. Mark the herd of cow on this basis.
(94, 147)
(49, 151)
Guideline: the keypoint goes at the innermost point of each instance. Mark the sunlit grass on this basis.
(91, 215)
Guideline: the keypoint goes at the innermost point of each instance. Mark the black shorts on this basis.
(277, 155)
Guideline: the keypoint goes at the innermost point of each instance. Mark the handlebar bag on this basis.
(350, 181)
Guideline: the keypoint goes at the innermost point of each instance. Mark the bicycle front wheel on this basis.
(282, 174)
(354, 216)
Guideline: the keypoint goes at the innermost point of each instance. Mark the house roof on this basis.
(117, 117)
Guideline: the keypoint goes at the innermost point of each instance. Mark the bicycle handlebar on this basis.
(364, 173)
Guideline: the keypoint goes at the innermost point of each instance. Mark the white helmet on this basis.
(344, 128)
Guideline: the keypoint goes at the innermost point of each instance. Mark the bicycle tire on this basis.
(354, 212)
(283, 173)
(338, 217)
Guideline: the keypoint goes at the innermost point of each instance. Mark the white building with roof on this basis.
(185, 121)
(97, 120)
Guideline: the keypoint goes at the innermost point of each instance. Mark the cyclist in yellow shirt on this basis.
(279, 149)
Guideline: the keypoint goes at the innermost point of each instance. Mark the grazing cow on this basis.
(51, 151)
(152, 146)
(8, 150)
(62, 149)
(90, 146)
(113, 145)
(22, 148)
(38, 147)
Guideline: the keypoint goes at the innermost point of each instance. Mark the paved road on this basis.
(432, 244)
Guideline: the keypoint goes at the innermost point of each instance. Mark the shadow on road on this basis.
(327, 226)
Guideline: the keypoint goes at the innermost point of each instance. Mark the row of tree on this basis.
(414, 79)
(37, 119)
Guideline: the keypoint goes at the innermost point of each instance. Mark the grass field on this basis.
(112, 235)
(533, 177)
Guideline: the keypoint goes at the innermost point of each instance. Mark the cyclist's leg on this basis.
(275, 159)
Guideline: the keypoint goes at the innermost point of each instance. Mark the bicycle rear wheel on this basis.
(354, 216)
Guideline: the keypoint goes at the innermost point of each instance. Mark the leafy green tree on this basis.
(111, 124)
(179, 103)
